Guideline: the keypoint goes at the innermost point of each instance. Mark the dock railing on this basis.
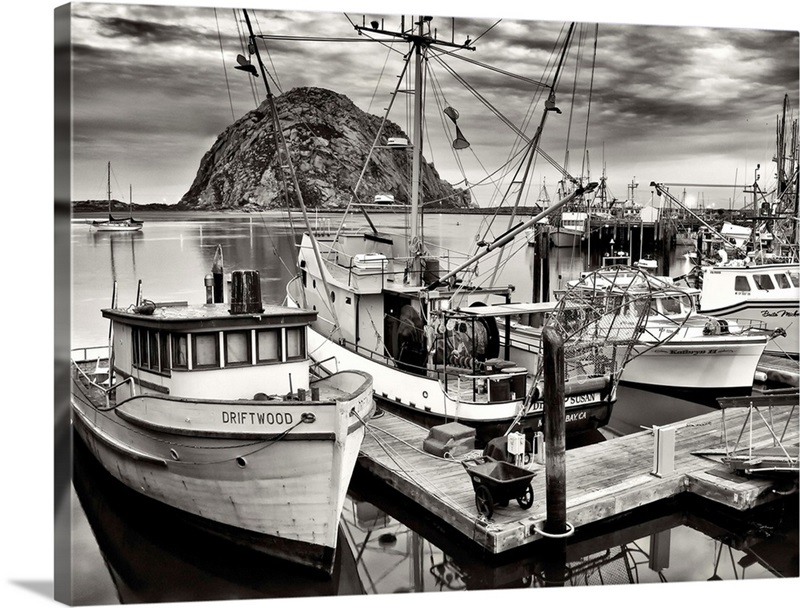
(747, 451)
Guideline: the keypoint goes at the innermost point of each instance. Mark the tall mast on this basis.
(421, 40)
(285, 164)
(108, 187)
(414, 238)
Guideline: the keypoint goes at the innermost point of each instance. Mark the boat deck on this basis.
(603, 480)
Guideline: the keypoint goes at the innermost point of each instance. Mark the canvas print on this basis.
(378, 303)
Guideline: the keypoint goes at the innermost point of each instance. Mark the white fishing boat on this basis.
(112, 224)
(681, 348)
(677, 347)
(752, 272)
(211, 409)
(408, 312)
(765, 293)
(570, 230)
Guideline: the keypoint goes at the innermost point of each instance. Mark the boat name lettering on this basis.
(780, 313)
(703, 351)
(572, 400)
(256, 418)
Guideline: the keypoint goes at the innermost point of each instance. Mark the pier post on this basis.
(219, 279)
(555, 572)
(554, 431)
(541, 265)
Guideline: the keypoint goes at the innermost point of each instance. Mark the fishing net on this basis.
(605, 318)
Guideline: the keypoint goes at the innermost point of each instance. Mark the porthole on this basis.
(333, 297)
(174, 455)
(240, 460)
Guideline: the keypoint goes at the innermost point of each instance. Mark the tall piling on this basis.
(218, 275)
(555, 431)
(555, 573)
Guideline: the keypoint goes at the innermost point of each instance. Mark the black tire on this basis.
(526, 499)
(484, 502)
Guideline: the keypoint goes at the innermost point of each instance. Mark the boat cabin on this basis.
(206, 351)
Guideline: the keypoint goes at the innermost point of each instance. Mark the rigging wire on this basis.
(273, 74)
(244, 51)
(224, 67)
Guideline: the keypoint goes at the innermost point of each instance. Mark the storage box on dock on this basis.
(452, 438)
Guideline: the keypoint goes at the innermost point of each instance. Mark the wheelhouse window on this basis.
(795, 277)
(295, 343)
(741, 284)
(180, 351)
(205, 350)
(763, 281)
(671, 306)
(237, 348)
(783, 281)
(268, 345)
(150, 350)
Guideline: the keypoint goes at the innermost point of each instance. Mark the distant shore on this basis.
(97, 209)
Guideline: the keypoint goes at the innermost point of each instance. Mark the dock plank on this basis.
(603, 480)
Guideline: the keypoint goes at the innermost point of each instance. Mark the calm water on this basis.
(127, 549)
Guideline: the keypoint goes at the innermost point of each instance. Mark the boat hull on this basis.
(714, 365)
(426, 401)
(565, 238)
(277, 488)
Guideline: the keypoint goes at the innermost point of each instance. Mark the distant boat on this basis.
(570, 230)
(211, 409)
(113, 224)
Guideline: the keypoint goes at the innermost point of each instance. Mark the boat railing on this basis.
(92, 378)
(89, 353)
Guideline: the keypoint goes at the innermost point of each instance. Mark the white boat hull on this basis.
(425, 400)
(565, 238)
(696, 364)
(269, 475)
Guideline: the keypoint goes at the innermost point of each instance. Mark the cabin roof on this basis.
(209, 316)
(505, 310)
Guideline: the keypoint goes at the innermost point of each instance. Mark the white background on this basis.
(26, 426)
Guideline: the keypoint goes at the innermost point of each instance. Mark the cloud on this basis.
(152, 78)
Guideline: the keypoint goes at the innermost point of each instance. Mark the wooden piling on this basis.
(219, 279)
(554, 431)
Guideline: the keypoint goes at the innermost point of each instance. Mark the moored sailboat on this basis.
(112, 224)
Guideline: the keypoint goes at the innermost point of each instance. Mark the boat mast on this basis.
(415, 245)
(285, 164)
(421, 40)
(108, 189)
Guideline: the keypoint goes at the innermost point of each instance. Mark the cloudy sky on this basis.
(670, 102)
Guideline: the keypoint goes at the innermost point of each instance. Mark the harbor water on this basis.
(128, 549)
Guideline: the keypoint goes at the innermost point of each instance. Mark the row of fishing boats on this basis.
(249, 417)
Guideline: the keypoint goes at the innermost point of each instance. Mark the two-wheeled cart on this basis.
(496, 482)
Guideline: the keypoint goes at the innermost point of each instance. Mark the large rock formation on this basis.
(329, 139)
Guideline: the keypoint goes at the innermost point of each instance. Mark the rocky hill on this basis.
(329, 139)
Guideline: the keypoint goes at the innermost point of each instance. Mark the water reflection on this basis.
(153, 554)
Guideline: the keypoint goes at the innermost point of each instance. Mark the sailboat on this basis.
(430, 337)
(113, 224)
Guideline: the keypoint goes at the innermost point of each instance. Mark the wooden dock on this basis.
(604, 480)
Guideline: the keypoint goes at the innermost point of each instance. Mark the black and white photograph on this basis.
(374, 299)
